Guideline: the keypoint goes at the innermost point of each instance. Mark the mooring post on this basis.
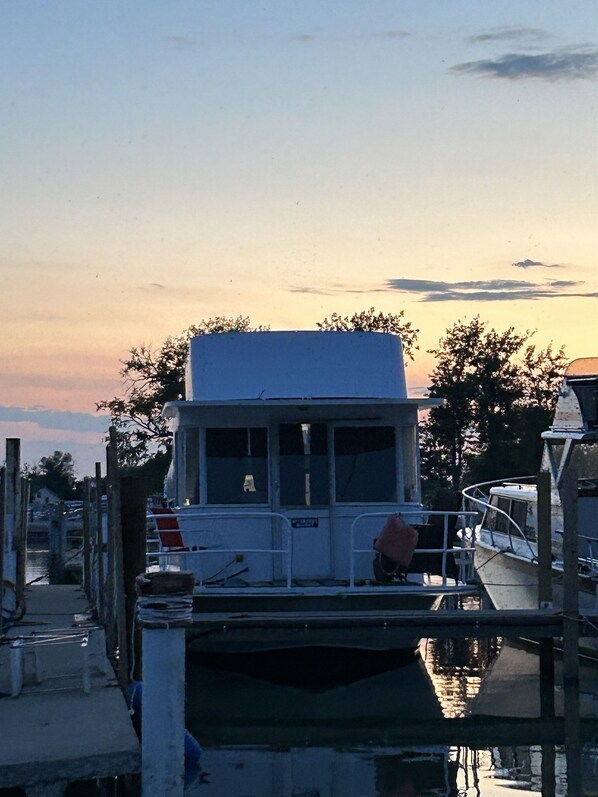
(57, 544)
(544, 542)
(164, 611)
(24, 492)
(116, 585)
(87, 547)
(2, 544)
(12, 511)
(545, 592)
(133, 525)
(569, 499)
(100, 541)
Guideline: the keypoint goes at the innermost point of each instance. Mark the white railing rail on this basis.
(285, 552)
(467, 540)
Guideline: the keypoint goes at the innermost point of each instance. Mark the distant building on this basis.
(45, 498)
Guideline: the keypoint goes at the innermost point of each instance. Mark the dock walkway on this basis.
(69, 722)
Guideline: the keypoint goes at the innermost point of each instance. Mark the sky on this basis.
(169, 161)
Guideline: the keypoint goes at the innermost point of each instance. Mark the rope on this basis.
(164, 610)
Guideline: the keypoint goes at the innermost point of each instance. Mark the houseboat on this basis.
(291, 452)
(506, 556)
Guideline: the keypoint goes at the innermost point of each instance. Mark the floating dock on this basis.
(69, 720)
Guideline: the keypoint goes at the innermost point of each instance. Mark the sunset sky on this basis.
(164, 162)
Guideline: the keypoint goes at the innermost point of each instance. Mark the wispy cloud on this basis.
(183, 43)
(510, 33)
(568, 63)
(493, 290)
(535, 264)
(392, 34)
(487, 290)
(55, 419)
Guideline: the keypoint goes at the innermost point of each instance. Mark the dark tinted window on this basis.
(303, 464)
(237, 465)
(365, 464)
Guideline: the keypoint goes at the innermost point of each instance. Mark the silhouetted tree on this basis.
(150, 378)
(498, 395)
(371, 321)
(56, 472)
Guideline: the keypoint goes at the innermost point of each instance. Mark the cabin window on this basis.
(409, 463)
(237, 466)
(496, 520)
(519, 513)
(365, 464)
(587, 395)
(192, 466)
(303, 464)
(584, 460)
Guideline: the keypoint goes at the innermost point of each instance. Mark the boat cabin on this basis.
(299, 442)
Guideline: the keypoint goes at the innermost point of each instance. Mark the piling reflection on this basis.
(283, 741)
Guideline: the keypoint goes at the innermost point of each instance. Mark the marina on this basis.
(283, 641)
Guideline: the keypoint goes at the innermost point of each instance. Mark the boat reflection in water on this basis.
(354, 740)
(277, 740)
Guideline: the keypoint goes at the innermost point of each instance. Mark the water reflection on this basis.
(386, 735)
(283, 741)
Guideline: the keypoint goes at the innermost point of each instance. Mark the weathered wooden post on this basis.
(12, 514)
(569, 501)
(100, 542)
(57, 544)
(165, 606)
(545, 592)
(133, 525)
(87, 547)
(22, 543)
(116, 588)
(2, 543)
(544, 542)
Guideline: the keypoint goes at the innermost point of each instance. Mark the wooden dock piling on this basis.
(100, 542)
(165, 608)
(133, 525)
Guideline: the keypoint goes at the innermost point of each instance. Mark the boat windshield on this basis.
(503, 512)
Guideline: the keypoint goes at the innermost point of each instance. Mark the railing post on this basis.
(444, 547)
(289, 536)
(352, 554)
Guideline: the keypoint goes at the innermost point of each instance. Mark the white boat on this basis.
(291, 450)
(506, 556)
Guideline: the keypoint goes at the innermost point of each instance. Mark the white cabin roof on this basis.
(295, 365)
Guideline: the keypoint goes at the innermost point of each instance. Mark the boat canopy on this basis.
(576, 413)
(332, 371)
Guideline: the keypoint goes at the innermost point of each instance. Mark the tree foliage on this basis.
(371, 321)
(56, 472)
(151, 377)
(498, 393)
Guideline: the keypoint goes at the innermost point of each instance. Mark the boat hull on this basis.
(251, 624)
(511, 582)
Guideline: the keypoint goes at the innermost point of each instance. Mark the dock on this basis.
(70, 720)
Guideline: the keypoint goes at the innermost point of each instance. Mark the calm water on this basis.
(354, 741)
(375, 737)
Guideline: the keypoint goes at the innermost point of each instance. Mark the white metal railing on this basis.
(466, 549)
(286, 551)
(484, 502)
